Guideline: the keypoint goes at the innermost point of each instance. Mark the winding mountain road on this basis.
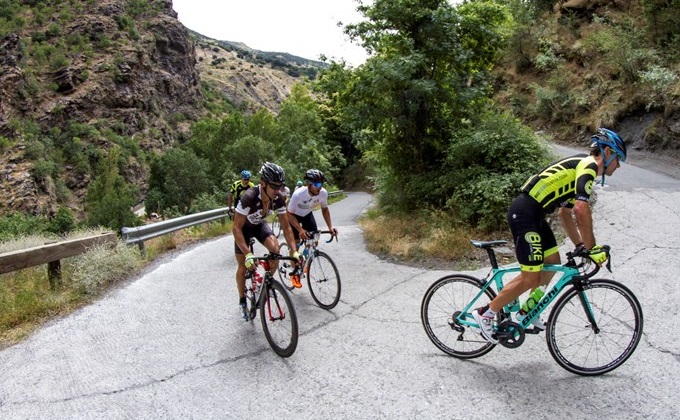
(170, 344)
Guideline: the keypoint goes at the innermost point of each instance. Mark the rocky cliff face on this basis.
(89, 75)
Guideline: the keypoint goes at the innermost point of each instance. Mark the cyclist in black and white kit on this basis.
(250, 222)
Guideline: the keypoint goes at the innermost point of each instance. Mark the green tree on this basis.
(110, 198)
(427, 77)
(302, 134)
(175, 180)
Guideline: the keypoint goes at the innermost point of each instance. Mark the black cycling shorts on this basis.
(260, 232)
(534, 239)
(307, 222)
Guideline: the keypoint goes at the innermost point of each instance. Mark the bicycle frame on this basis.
(495, 277)
(311, 245)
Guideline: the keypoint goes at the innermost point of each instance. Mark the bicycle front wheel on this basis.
(323, 279)
(279, 320)
(442, 304)
(586, 348)
(251, 302)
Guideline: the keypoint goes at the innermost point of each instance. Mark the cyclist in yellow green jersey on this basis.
(565, 185)
(236, 191)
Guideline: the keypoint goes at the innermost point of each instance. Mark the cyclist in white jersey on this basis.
(304, 201)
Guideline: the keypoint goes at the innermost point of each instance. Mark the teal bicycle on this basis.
(593, 328)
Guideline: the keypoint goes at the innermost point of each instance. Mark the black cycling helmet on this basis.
(314, 175)
(271, 172)
(605, 137)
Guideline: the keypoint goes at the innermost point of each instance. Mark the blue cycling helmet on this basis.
(245, 174)
(608, 138)
(605, 137)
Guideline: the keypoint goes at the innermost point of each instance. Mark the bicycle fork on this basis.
(276, 313)
(587, 308)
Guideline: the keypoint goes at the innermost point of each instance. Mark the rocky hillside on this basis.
(80, 77)
(250, 79)
(593, 63)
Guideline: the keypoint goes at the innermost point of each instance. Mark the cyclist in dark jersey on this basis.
(565, 185)
(250, 222)
(237, 189)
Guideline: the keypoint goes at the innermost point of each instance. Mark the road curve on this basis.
(170, 344)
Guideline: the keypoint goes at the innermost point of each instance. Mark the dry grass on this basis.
(430, 239)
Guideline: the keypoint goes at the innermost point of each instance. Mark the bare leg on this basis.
(272, 246)
(526, 280)
(241, 275)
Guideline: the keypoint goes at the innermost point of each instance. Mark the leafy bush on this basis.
(62, 222)
(19, 224)
(485, 167)
(658, 82)
(621, 47)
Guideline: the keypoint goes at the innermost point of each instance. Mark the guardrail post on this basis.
(54, 274)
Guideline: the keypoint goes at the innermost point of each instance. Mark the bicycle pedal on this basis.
(532, 330)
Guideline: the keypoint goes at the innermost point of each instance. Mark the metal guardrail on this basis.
(137, 235)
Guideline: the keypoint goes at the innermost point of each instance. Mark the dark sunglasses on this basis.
(317, 184)
(275, 187)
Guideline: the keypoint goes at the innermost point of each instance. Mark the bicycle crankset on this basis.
(510, 334)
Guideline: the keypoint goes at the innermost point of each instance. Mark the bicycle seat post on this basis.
(492, 257)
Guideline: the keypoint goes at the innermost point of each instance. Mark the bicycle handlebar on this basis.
(311, 234)
(274, 257)
(582, 252)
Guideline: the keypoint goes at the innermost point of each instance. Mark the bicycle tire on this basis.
(285, 267)
(323, 280)
(276, 226)
(581, 350)
(442, 300)
(279, 320)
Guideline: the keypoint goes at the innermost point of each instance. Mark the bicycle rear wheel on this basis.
(441, 305)
(323, 279)
(572, 340)
(279, 320)
(276, 226)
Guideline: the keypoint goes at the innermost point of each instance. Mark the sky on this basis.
(305, 28)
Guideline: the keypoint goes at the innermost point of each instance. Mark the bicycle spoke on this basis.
(279, 320)
(323, 280)
(441, 301)
(577, 347)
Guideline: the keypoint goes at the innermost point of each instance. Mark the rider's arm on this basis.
(569, 225)
(230, 199)
(284, 220)
(237, 231)
(584, 220)
(326, 213)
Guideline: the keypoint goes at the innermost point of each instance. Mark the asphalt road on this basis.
(170, 344)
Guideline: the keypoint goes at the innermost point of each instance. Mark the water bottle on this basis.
(534, 297)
